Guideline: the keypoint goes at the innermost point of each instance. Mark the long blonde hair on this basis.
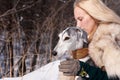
(98, 10)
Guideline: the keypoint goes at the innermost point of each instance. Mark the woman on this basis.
(103, 28)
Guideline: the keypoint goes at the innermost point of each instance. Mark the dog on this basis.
(72, 38)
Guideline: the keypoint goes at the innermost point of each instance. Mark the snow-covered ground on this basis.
(47, 72)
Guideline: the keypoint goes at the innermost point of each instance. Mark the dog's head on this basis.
(70, 39)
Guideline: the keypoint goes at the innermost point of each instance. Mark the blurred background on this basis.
(29, 31)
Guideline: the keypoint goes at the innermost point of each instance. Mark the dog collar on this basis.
(80, 53)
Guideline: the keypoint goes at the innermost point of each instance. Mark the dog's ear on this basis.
(84, 36)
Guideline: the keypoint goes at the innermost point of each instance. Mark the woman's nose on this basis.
(78, 24)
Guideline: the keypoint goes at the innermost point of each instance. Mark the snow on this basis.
(47, 72)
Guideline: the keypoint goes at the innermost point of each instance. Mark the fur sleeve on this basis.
(104, 49)
(109, 56)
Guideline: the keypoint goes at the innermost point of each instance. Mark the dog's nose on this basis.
(54, 53)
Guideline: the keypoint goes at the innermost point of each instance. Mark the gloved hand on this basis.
(69, 67)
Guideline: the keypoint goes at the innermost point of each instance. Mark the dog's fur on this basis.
(104, 48)
(70, 39)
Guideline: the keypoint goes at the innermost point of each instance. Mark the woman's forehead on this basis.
(79, 11)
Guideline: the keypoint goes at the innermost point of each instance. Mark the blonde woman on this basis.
(103, 28)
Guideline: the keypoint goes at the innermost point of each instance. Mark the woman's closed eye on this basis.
(80, 18)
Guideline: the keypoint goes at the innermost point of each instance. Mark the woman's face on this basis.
(84, 21)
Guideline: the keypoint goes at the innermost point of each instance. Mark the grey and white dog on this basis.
(70, 39)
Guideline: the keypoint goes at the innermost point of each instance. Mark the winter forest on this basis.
(29, 31)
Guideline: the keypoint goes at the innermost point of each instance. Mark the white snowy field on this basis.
(47, 72)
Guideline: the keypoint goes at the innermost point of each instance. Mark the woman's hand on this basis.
(69, 67)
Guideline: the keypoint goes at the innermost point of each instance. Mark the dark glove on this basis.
(69, 67)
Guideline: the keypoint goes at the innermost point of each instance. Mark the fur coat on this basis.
(104, 48)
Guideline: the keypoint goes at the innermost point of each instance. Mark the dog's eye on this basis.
(66, 38)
